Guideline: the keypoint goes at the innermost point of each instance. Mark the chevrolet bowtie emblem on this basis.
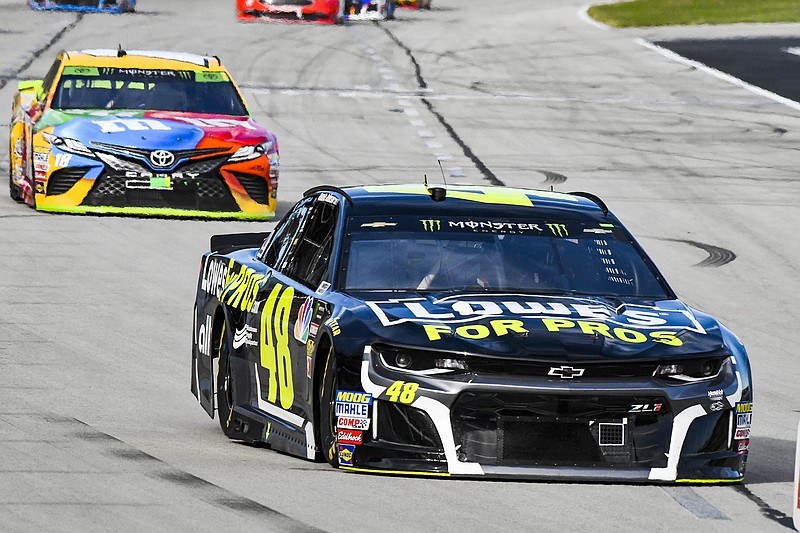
(566, 372)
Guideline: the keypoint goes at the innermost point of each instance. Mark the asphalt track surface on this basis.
(98, 430)
(772, 63)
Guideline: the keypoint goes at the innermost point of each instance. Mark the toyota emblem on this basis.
(162, 158)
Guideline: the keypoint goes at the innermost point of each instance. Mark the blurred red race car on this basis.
(322, 11)
(418, 4)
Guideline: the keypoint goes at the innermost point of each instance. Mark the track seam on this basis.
(766, 509)
(224, 497)
(38, 53)
(423, 85)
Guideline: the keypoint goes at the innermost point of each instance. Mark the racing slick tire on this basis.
(327, 410)
(13, 190)
(225, 385)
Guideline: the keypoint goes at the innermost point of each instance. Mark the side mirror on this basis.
(34, 86)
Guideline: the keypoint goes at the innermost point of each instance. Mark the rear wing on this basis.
(237, 241)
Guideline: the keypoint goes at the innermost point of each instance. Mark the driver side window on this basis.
(285, 234)
(308, 261)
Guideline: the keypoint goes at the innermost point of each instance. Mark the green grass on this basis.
(672, 12)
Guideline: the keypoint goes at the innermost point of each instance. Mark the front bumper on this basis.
(205, 188)
(538, 428)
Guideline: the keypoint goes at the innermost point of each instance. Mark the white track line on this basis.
(719, 74)
(583, 14)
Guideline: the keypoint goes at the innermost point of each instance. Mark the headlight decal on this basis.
(439, 413)
(66, 144)
(246, 153)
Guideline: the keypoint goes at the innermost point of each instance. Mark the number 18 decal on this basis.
(274, 345)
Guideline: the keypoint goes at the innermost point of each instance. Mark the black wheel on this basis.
(224, 385)
(13, 190)
(327, 410)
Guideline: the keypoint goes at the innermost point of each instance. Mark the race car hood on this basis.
(546, 329)
(151, 130)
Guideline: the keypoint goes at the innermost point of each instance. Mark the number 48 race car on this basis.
(470, 332)
(107, 6)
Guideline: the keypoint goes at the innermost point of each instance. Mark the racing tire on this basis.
(327, 410)
(225, 383)
(13, 190)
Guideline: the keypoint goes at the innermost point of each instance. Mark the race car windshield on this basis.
(157, 90)
(498, 255)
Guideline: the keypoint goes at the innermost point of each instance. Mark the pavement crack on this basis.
(41, 50)
(488, 175)
(205, 490)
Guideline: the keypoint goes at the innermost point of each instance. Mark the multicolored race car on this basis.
(369, 9)
(144, 133)
(468, 331)
(322, 11)
(106, 6)
(419, 4)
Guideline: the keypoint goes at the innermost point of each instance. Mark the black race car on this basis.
(472, 331)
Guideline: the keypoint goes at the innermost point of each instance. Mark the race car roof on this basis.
(106, 57)
(415, 198)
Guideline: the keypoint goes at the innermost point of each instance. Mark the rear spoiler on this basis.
(237, 241)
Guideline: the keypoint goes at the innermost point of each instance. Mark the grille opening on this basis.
(63, 180)
(611, 434)
(256, 186)
(406, 425)
(206, 193)
(561, 430)
(537, 441)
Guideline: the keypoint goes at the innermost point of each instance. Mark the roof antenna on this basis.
(120, 51)
(438, 194)
(442, 169)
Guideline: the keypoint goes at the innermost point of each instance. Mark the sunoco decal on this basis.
(346, 454)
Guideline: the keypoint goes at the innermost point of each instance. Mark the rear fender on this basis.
(209, 317)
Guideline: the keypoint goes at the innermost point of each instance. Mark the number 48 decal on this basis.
(403, 392)
(274, 345)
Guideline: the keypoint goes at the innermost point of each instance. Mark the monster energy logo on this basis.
(431, 225)
(559, 230)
